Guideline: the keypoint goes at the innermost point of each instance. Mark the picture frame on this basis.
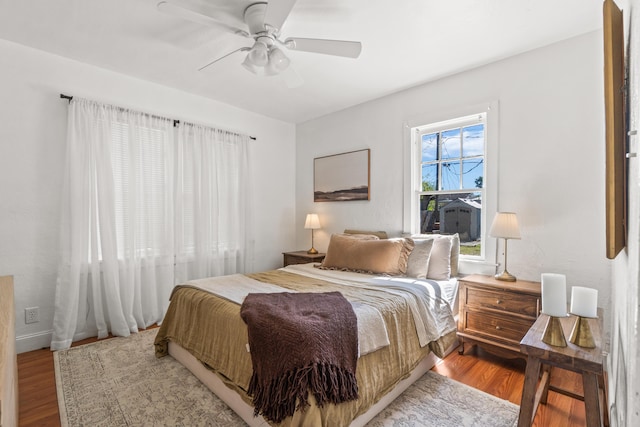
(615, 130)
(342, 177)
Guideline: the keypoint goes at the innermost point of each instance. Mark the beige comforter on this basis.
(211, 329)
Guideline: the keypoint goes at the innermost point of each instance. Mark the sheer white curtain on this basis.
(213, 195)
(144, 207)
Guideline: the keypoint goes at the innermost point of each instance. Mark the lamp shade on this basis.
(278, 61)
(505, 225)
(247, 64)
(584, 301)
(312, 222)
(259, 54)
(554, 294)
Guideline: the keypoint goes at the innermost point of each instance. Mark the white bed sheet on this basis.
(449, 287)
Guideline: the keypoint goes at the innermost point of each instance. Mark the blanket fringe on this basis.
(278, 398)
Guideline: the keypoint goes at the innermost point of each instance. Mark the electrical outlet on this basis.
(32, 315)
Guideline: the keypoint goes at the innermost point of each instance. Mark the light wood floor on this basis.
(500, 377)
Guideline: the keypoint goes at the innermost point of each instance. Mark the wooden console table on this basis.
(586, 361)
(8, 360)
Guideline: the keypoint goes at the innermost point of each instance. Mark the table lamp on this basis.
(584, 305)
(505, 226)
(312, 223)
(554, 305)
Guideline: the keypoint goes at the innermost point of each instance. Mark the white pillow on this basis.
(418, 264)
(455, 247)
(440, 260)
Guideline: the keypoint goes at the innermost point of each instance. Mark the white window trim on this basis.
(485, 264)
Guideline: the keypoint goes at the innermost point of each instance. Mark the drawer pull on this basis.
(498, 327)
(499, 301)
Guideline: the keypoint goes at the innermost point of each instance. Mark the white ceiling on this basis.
(405, 43)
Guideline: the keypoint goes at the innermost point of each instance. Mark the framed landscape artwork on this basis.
(341, 177)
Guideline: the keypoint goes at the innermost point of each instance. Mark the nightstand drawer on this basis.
(301, 257)
(496, 326)
(291, 259)
(505, 301)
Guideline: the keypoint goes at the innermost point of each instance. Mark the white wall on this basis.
(32, 146)
(624, 358)
(550, 159)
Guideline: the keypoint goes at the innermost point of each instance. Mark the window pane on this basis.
(473, 140)
(429, 215)
(121, 165)
(461, 213)
(452, 213)
(451, 144)
(139, 162)
(429, 177)
(450, 176)
(429, 147)
(472, 173)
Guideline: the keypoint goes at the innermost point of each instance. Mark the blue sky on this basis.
(468, 141)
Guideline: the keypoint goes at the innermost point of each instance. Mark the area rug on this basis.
(119, 382)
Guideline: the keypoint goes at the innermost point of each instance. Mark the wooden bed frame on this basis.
(245, 411)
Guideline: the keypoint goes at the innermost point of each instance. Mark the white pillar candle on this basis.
(584, 301)
(554, 294)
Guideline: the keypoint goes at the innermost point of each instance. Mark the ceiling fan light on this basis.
(259, 54)
(248, 65)
(278, 61)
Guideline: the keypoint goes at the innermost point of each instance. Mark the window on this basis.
(142, 189)
(447, 180)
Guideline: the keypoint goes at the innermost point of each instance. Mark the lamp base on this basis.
(581, 334)
(505, 276)
(553, 334)
(312, 251)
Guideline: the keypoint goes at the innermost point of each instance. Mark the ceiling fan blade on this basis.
(291, 77)
(277, 12)
(171, 8)
(344, 48)
(242, 49)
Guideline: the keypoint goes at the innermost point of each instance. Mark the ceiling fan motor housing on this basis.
(254, 18)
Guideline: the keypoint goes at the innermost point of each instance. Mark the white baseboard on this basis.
(32, 342)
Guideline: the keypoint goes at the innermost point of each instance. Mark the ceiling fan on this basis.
(263, 23)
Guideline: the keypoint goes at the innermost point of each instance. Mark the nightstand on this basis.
(301, 257)
(496, 314)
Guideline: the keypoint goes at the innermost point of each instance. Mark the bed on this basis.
(404, 322)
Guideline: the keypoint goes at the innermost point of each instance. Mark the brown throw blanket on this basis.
(300, 343)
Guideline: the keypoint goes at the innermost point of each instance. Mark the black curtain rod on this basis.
(175, 122)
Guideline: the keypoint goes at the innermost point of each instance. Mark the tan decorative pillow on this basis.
(379, 234)
(418, 264)
(361, 236)
(388, 256)
(455, 248)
